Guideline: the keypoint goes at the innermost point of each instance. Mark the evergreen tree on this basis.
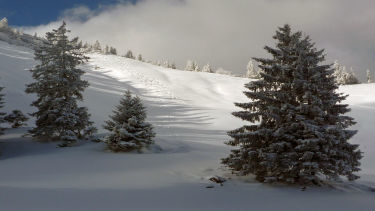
(173, 65)
(16, 119)
(140, 58)
(350, 78)
(196, 67)
(4, 23)
(127, 127)
(300, 131)
(113, 51)
(58, 87)
(368, 76)
(338, 71)
(191, 66)
(251, 71)
(166, 64)
(207, 68)
(97, 46)
(2, 114)
(342, 77)
(129, 55)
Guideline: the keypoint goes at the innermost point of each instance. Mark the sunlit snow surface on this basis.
(191, 114)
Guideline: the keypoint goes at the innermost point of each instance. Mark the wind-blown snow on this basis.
(191, 114)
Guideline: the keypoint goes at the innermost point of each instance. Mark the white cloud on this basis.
(226, 33)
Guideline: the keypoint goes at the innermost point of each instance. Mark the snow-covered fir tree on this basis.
(342, 76)
(58, 86)
(128, 127)
(298, 131)
(112, 51)
(4, 23)
(139, 57)
(166, 64)
(106, 50)
(207, 68)
(97, 46)
(350, 77)
(191, 65)
(251, 71)
(129, 55)
(337, 70)
(2, 114)
(196, 69)
(368, 76)
(16, 119)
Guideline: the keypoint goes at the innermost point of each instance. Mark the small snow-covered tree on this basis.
(191, 66)
(173, 65)
(368, 76)
(337, 71)
(251, 71)
(166, 64)
(298, 131)
(350, 78)
(128, 128)
(129, 55)
(16, 119)
(4, 23)
(58, 86)
(112, 51)
(97, 46)
(207, 68)
(196, 68)
(139, 57)
(343, 77)
(106, 50)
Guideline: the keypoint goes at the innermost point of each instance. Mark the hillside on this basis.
(191, 114)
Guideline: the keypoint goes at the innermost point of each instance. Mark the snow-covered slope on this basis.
(191, 114)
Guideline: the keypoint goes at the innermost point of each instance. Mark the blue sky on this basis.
(36, 12)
